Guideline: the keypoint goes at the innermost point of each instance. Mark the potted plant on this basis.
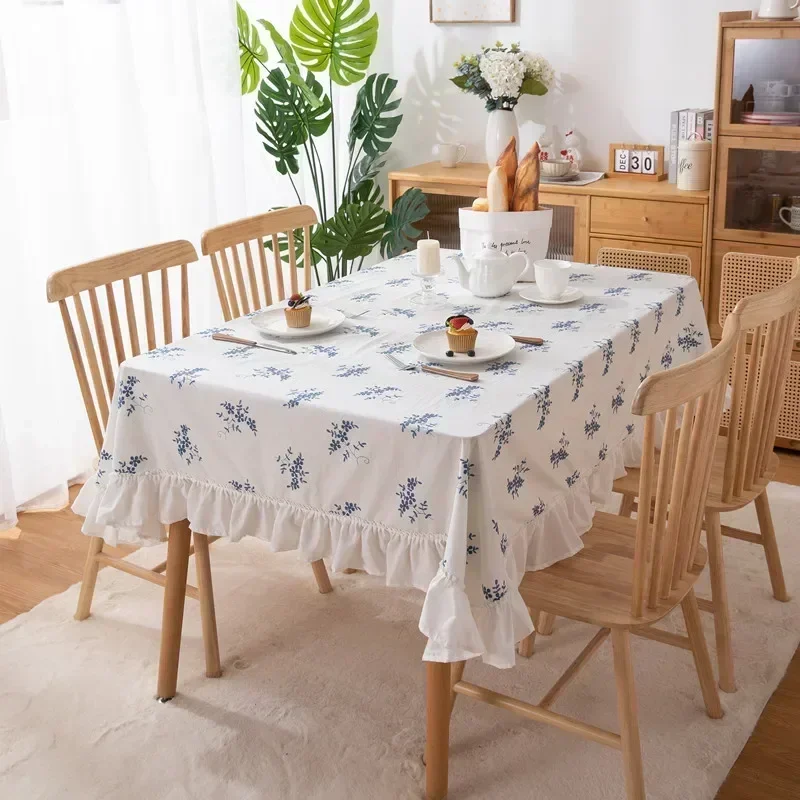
(500, 75)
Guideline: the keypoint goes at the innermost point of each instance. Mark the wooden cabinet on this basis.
(755, 172)
(650, 219)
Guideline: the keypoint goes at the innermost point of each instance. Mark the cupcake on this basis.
(298, 313)
(461, 335)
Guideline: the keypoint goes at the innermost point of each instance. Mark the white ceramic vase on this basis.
(502, 125)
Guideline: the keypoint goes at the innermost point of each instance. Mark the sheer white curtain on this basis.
(120, 126)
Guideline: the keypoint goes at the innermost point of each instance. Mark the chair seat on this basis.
(630, 483)
(595, 586)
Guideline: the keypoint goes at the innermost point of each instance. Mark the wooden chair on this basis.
(96, 363)
(640, 259)
(744, 461)
(630, 573)
(232, 288)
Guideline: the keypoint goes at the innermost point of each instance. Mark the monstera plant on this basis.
(296, 120)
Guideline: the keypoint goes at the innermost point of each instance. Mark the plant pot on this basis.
(500, 127)
(510, 231)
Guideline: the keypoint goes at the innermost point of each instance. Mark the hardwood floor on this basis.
(49, 555)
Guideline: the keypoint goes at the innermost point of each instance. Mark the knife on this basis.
(224, 337)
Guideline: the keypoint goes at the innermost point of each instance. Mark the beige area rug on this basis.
(323, 696)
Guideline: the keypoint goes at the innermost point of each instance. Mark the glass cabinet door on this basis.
(760, 89)
(758, 191)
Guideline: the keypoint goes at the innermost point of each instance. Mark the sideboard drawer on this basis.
(651, 219)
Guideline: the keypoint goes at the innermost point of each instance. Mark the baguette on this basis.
(480, 204)
(508, 161)
(526, 187)
(497, 190)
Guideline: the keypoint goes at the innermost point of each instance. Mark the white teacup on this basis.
(552, 277)
(793, 220)
(451, 153)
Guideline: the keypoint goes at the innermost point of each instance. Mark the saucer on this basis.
(570, 295)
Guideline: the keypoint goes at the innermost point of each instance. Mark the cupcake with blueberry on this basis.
(461, 335)
(298, 311)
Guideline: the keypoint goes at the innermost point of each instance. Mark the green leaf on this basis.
(399, 232)
(281, 137)
(335, 34)
(532, 86)
(461, 81)
(252, 53)
(289, 101)
(372, 121)
(354, 231)
(288, 60)
(368, 192)
(365, 170)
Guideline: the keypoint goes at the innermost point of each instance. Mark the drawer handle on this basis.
(645, 219)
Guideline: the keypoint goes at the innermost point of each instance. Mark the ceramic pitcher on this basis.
(778, 9)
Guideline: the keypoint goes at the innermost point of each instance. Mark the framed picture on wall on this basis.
(473, 10)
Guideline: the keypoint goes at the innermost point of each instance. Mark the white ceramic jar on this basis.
(694, 165)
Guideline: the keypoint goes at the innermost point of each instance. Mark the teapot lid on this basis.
(490, 252)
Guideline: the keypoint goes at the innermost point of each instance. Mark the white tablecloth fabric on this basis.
(451, 487)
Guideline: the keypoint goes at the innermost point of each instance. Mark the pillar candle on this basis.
(428, 257)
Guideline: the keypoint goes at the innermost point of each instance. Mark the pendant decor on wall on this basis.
(473, 10)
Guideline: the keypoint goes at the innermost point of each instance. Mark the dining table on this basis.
(453, 487)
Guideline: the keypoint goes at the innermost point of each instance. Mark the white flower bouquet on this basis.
(499, 75)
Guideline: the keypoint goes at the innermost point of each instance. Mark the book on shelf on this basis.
(683, 123)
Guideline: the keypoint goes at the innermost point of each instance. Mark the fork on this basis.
(447, 373)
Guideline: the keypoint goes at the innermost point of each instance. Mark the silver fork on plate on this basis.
(447, 373)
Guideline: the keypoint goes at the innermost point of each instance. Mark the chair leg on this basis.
(90, 569)
(208, 614)
(545, 623)
(526, 645)
(180, 539)
(626, 506)
(719, 599)
(702, 661)
(321, 574)
(437, 746)
(771, 548)
(628, 714)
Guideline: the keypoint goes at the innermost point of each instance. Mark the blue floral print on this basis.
(246, 487)
(293, 466)
(502, 434)
(666, 359)
(497, 591)
(630, 428)
(209, 332)
(365, 297)
(497, 325)
(635, 331)
(409, 505)
(538, 509)
(346, 509)
(282, 373)
(581, 277)
(643, 375)
(680, 299)
(607, 352)
(130, 466)
(420, 423)
(469, 393)
(503, 368)
(592, 424)
(341, 443)
(562, 454)
(513, 485)
(369, 331)
(239, 353)
(167, 351)
(186, 377)
(400, 312)
(543, 403)
(503, 537)
(472, 549)
(603, 452)
(569, 325)
(187, 450)
(617, 291)
(571, 480)
(381, 393)
(393, 349)
(298, 396)
(430, 327)
(468, 309)
(525, 308)
(690, 339)
(128, 398)
(398, 282)
(593, 308)
(578, 377)
(104, 456)
(617, 399)
(542, 348)
(323, 350)
(464, 474)
(352, 371)
(640, 276)
(658, 313)
(235, 416)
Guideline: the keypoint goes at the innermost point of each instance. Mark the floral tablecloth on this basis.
(451, 487)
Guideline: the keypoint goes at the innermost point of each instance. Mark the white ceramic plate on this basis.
(489, 345)
(571, 294)
(273, 323)
(560, 179)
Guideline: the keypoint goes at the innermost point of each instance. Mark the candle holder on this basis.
(427, 295)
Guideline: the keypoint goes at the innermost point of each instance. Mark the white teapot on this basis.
(778, 9)
(491, 273)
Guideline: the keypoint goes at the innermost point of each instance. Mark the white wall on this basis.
(623, 65)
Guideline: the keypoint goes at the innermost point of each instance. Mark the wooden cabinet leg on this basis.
(437, 745)
(208, 614)
(172, 619)
(702, 661)
(89, 578)
(719, 599)
(626, 506)
(321, 574)
(628, 710)
(771, 548)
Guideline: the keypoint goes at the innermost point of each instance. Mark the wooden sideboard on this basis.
(612, 212)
